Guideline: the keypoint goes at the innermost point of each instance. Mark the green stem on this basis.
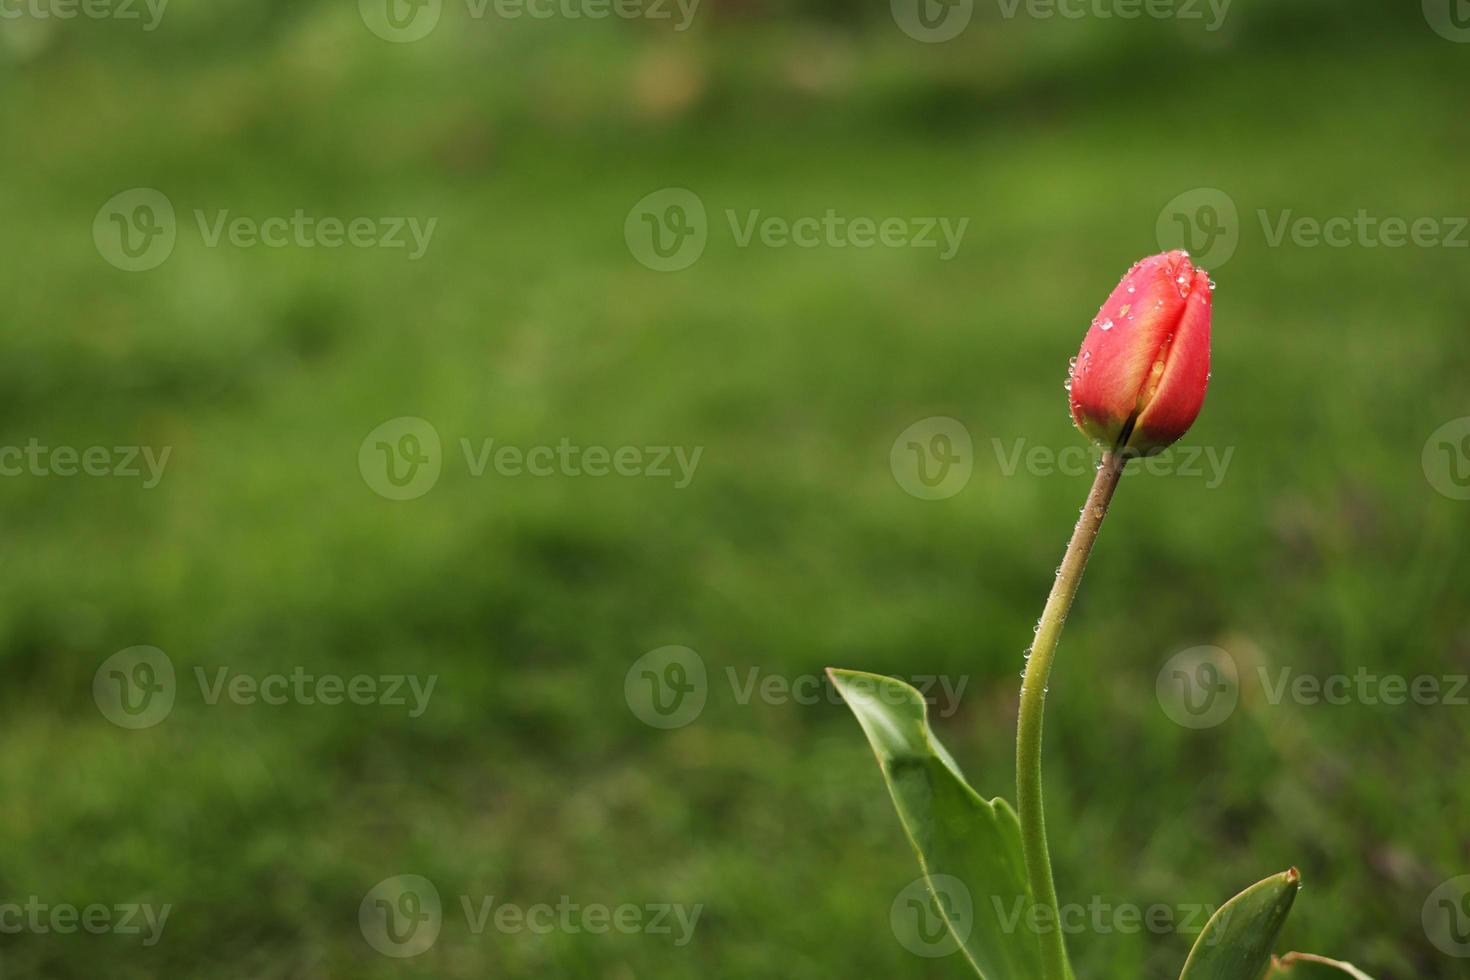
(1033, 703)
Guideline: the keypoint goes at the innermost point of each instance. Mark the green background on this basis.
(1325, 549)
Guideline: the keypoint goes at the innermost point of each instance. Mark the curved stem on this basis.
(1033, 703)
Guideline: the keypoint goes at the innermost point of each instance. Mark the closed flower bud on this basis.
(1139, 381)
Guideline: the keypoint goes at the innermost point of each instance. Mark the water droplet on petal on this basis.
(1105, 325)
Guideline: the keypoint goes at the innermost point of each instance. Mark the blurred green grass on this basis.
(793, 549)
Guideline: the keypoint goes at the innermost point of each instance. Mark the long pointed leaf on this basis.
(1237, 941)
(964, 843)
(1304, 966)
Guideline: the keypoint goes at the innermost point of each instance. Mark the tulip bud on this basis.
(1139, 380)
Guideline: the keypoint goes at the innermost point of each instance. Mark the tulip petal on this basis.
(1124, 342)
(1171, 401)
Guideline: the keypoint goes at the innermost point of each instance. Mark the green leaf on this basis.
(969, 848)
(1236, 942)
(1304, 966)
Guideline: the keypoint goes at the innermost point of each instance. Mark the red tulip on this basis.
(1139, 381)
